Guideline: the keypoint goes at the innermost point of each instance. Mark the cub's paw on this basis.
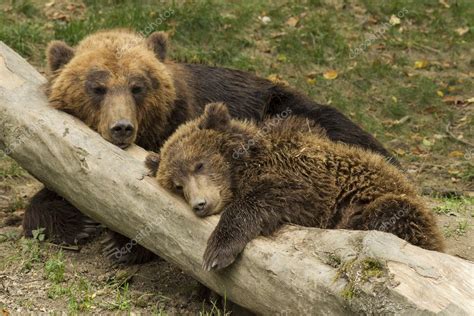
(218, 257)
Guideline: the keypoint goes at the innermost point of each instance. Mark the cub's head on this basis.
(193, 162)
(114, 81)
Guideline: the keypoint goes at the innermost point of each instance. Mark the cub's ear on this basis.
(216, 116)
(58, 54)
(158, 43)
(152, 162)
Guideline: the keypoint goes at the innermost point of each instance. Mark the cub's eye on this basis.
(100, 90)
(178, 187)
(199, 167)
(136, 89)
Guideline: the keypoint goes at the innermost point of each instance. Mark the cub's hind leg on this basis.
(401, 215)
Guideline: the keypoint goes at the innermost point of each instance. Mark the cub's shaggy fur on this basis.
(289, 173)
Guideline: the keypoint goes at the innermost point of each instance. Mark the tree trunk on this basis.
(296, 271)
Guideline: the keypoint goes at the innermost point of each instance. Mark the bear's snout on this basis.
(199, 206)
(121, 132)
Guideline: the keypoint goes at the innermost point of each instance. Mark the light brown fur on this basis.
(291, 173)
(125, 60)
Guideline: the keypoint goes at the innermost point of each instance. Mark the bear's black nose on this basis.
(199, 205)
(121, 130)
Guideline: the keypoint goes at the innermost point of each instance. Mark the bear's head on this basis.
(114, 81)
(197, 161)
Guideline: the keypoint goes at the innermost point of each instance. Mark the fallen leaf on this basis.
(281, 58)
(427, 143)
(311, 81)
(277, 34)
(394, 99)
(420, 64)
(275, 78)
(265, 19)
(456, 154)
(394, 20)
(330, 75)
(444, 3)
(453, 99)
(440, 93)
(400, 152)
(470, 100)
(292, 21)
(462, 30)
(312, 74)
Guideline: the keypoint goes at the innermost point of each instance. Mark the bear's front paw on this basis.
(218, 257)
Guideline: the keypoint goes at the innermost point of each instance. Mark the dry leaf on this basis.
(470, 100)
(281, 58)
(311, 81)
(275, 78)
(420, 64)
(400, 152)
(453, 99)
(265, 19)
(444, 3)
(394, 20)
(312, 74)
(292, 21)
(427, 143)
(462, 30)
(330, 75)
(440, 93)
(456, 154)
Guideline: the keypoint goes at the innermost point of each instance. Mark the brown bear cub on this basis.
(289, 172)
(123, 86)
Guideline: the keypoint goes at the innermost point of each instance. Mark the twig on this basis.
(450, 134)
(431, 49)
(71, 248)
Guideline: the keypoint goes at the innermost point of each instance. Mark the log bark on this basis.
(296, 271)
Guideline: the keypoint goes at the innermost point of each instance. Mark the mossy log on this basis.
(299, 271)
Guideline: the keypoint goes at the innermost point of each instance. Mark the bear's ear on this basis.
(59, 54)
(158, 43)
(216, 116)
(152, 162)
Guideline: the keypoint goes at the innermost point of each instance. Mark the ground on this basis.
(403, 70)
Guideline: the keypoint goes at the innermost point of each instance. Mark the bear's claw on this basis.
(216, 258)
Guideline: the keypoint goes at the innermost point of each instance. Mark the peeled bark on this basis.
(296, 271)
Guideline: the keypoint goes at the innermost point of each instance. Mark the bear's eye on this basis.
(178, 187)
(199, 167)
(100, 90)
(136, 89)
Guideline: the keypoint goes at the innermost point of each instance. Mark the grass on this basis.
(54, 268)
(455, 207)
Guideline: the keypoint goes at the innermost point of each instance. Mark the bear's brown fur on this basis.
(124, 87)
(289, 173)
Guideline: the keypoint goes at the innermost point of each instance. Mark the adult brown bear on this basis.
(122, 86)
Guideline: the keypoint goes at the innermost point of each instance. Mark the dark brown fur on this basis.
(114, 75)
(290, 173)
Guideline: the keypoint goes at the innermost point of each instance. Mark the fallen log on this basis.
(297, 271)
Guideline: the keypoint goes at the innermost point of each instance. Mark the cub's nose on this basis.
(121, 130)
(199, 205)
